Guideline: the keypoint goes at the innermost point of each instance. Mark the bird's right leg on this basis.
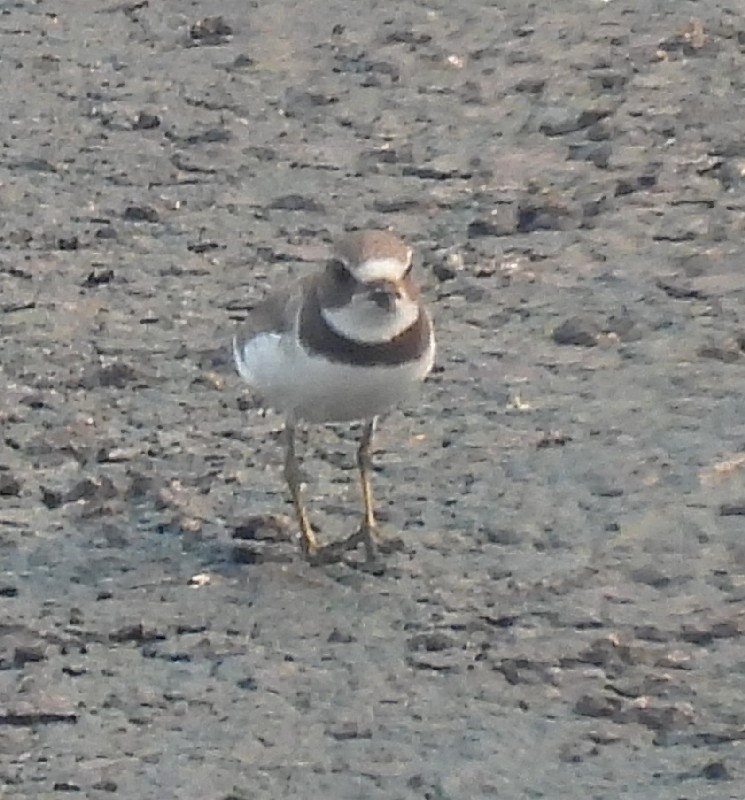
(308, 542)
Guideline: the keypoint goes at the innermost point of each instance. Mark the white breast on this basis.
(311, 388)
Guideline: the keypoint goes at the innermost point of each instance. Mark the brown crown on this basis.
(361, 246)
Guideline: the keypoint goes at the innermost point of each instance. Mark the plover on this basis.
(345, 344)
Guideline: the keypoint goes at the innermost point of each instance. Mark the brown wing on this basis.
(276, 313)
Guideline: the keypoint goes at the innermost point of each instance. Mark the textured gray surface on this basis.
(568, 618)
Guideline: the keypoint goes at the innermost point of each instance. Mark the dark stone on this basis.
(433, 174)
(74, 671)
(208, 136)
(638, 183)
(560, 120)
(597, 153)
(431, 642)
(297, 202)
(678, 289)
(23, 718)
(545, 215)
(503, 223)
(28, 654)
(302, 103)
(10, 486)
(68, 243)
(578, 331)
(553, 439)
(135, 633)
(726, 355)
(443, 271)
(202, 247)
(531, 85)
(105, 786)
(98, 277)
(101, 488)
(140, 214)
(107, 232)
(348, 730)
(339, 637)
(51, 497)
(240, 554)
(716, 771)
(623, 326)
(597, 705)
(211, 31)
(608, 80)
(146, 121)
(396, 206)
(263, 527)
(117, 375)
(660, 718)
(242, 61)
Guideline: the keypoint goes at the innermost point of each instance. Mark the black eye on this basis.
(340, 272)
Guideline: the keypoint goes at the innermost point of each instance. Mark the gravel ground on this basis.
(567, 618)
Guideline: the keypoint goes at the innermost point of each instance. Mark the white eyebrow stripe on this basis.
(380, 269)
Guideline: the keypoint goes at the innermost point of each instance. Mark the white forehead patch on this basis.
(380, 269)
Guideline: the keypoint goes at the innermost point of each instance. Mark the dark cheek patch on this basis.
(336, 291)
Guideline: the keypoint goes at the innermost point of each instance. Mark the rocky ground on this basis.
(567, 618)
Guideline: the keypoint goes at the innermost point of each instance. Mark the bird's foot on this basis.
(376, 544)
(331, 553)
(388, 544)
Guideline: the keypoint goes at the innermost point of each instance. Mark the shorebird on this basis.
(345, 344)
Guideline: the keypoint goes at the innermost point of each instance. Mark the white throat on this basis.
(363, 321)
